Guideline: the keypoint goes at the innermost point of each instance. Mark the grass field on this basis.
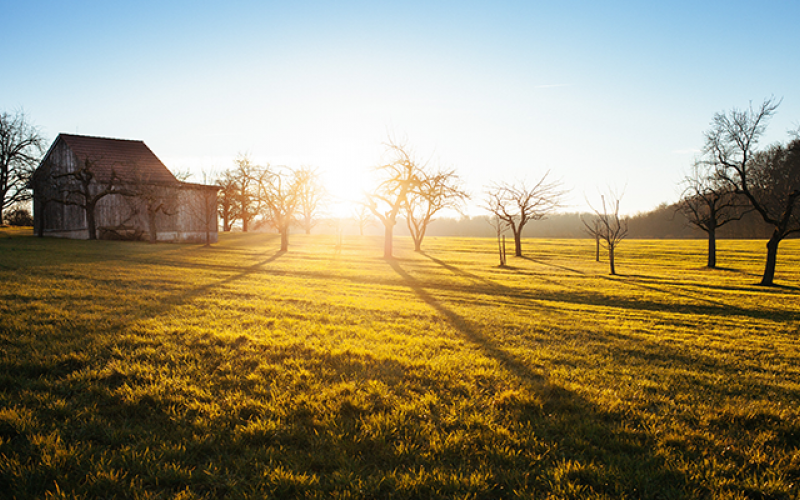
(131, 370)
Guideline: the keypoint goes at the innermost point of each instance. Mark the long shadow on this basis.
(713, 307)
(637, 351)
(462, 326)
(464, 274)
(607, 441)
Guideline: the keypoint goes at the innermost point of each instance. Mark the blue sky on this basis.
(601, 94)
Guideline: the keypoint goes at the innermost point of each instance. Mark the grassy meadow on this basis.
(130, 370)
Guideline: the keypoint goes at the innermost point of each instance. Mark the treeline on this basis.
(663, 222)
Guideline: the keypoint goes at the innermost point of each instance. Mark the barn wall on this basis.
(66, 221)
(189, 214)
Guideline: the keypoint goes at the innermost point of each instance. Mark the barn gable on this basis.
(139, 198)
(130, 160)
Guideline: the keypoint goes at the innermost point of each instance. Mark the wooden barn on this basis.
(96, 187)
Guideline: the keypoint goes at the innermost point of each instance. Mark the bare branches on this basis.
(433, 192)
(708, 202)
(608, 226)
(733, 138)
(81, 188)
(363, 217)
(229, 207)
(769, 179)
(249, 179)
(311, 197)
(21, 147)
(280, 190)
(517, 204)
(399, 174)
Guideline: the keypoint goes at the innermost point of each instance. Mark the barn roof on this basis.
(131, 161)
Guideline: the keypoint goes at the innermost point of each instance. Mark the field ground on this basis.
(131, 370)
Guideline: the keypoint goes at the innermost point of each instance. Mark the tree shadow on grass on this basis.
(708, 306)
(583, 433)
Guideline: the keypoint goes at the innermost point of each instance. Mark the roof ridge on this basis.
(99, 137)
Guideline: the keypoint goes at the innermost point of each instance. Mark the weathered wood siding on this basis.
(190, 217)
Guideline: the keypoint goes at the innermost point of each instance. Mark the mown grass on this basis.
(162, 371)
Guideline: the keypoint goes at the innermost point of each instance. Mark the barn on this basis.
(102, 188)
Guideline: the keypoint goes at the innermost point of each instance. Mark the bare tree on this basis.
(280, 193)
(500, 226)
(517, 204)
(431, 193)
(311, 197)
(157, 199)
(249, 179)
(21, 147)
(770, 180)
(229, 208)
(399, 175)
(708, 202)
(363, 217)
(84, 189)
(205, 207)
(594, 232)
(608, 226)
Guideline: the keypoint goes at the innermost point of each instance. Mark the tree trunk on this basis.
(245, 220)
(518, 243)
(500, 251)
(772, 259)
(151, 226)
(90, 223)
(597, 248)
(611, 259)
(285, 238)
(387, 241)
(712, 247)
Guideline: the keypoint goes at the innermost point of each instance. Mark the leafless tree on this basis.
(433, 192)
(517, 204)
(363, 217)
(21, 148)
(84, 189)
(708, 202)
(311, 197)
(199, 201)
(769, 179)
(399, 175)
(249, 180)
(608, 226)
(500, 226)
(280, 193)
(157, 197)
(594, 232)
(229, 208)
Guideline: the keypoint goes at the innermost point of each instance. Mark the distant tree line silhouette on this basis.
(663, 222)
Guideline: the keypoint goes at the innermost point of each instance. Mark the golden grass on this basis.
(162, 371)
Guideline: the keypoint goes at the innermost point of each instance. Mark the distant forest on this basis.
(664, 222)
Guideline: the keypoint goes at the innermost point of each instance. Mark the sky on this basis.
(602, 95)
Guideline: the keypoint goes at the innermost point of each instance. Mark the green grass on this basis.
(131, 370)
